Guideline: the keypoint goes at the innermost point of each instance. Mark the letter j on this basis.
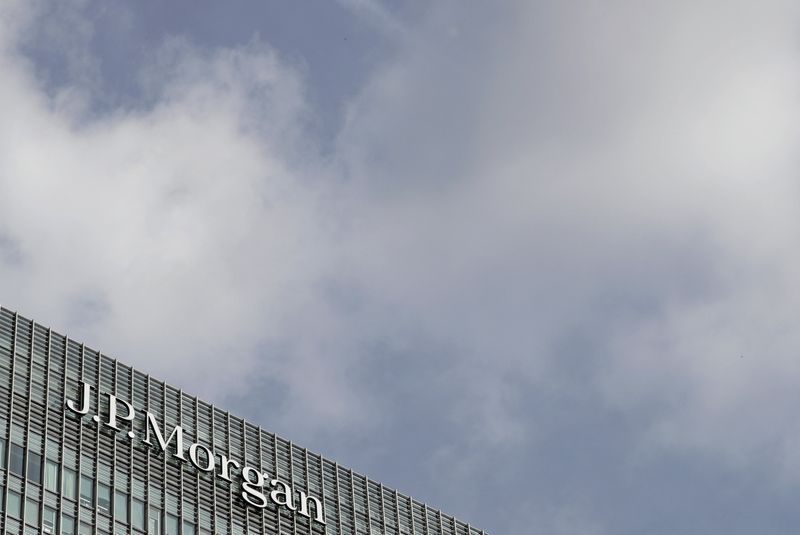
(86, 394)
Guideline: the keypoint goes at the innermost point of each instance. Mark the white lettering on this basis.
(251, 490)
(112, 412)
(177, 432)
(202, 457)
(86, 390)
(285, 491)
(224, 472)
(209, 465)
(304, 498)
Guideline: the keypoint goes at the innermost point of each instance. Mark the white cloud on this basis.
(180, 233)
(627, 171)
(513, 180)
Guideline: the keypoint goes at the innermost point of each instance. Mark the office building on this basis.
(89, 445)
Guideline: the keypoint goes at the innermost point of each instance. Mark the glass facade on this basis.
(66, 472)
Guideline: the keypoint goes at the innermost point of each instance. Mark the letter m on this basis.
(177, 433)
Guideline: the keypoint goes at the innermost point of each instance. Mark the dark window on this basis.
(16, 462)
(34, 468)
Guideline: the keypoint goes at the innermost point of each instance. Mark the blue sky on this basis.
(534, 263)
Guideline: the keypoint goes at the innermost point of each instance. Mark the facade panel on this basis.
(91, 446)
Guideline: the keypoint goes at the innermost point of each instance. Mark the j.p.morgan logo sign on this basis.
(258, 488)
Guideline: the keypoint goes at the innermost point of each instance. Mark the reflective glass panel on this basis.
(16, 461)
(51, 475)
(14, 505)
(121, 507)
(70, 484)
(34, 468)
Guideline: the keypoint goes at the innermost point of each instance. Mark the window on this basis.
(121, 506)
(172, 525)
(85, 529)
(14, 505)
(2, 452)
(49, 520)
(34, 468)
(87, 491)
(51, 475)
(70, 484)
(137, 514)
(103, 498)
(31, 512)
(67, 525)
(16, 462)
(222, 525)
(188, 528)
(154, 522)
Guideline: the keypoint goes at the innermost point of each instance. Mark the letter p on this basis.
(113, 413)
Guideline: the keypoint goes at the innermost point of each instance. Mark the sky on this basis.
(533, 263)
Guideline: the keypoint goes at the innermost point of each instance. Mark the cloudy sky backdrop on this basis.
(535, 263)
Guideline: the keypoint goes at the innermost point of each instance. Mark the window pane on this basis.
(154, 521)
(172, 525)
(70, 484)
(67, 525)
(16, 462)
(14, 505)
(104, 498)
(51, 475)
(49, 518)
(137, 514)
(188, 528)
(34, 468)
(222, 525)
(87, 491)
(121, 507)
(2, 452)
(31, 512)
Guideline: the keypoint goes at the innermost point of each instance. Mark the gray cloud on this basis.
(10, 253)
